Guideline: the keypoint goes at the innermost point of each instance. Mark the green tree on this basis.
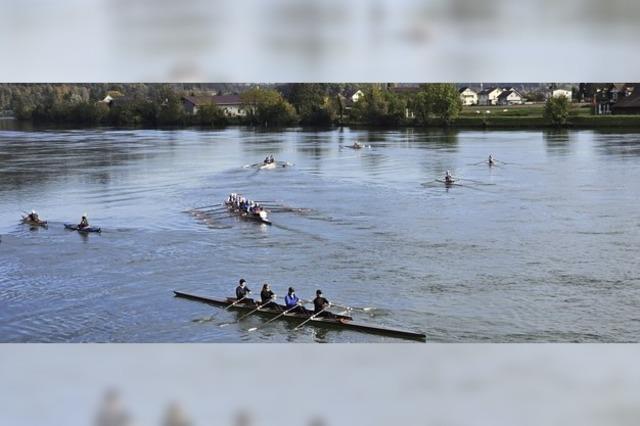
(556, 110)
(440, 100)
(267, 107)
(379, 107)
(210, 115)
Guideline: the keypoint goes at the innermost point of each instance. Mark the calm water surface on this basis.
(543, 248)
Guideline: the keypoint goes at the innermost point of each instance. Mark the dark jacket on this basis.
(242, 292)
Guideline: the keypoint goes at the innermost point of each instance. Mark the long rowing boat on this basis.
(246, 215)
(340, 321)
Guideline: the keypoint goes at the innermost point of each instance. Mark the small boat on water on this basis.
(87, 229)
(268, 166)
(34, 223)
(260, 217)
(339, 321)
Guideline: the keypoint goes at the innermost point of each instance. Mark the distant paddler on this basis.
(84, 222)
(269, 159)
(491, 161)
(448, 178)
(242, 291)
(33, 216)
(356, 145)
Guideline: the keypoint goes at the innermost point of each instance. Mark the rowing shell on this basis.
(251, 216)
(83, 230)
(340, 321)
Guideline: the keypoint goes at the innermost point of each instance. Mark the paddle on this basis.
(274, 318)
(313, 316)
(246, 315)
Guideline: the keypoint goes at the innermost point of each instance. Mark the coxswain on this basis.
(242, 291)
(84, 222)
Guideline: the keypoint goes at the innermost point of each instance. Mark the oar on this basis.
(206, 207)
(354, 308)
(274, 318)
(246, 315)
(312, 317)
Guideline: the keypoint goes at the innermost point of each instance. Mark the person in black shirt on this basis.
(320, 303)
(266, 296)
(242, 291)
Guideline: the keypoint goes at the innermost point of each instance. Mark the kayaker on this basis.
(242, 290)
(320, 303)
(84, 222)
(448, 178)
(267, 296)
(291, 301)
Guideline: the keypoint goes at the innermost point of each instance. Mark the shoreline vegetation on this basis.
(431, 106)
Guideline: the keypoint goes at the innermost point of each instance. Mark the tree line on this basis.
(309, 104)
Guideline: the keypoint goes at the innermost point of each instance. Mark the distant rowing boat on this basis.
(88, 229)
(27, 221)
(246, 215)
(340, 321)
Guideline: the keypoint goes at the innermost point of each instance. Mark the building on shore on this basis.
(230, 104)
(468, 96)
(509, 97)
(627, 105)
(489, 96)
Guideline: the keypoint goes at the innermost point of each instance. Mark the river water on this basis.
(543, 247)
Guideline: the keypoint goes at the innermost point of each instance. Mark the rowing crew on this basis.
(242, 203)
(292, 303)
(269, 159)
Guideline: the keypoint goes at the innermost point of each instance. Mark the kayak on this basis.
(84, 230)
(27, 221)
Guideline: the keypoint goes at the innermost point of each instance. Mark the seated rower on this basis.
(33, 216)
(266, 160)
(84, 222)
(448, 178)
(320, 304)
(292, 302)
(243, 291)
(268, 297)
(492, 162)
(271, 159)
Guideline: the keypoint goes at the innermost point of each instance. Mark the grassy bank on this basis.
(531, 117)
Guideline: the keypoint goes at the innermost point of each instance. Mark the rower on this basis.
(242, 290)
(33, 216)
(292, 301)
(492, 162)
(84, 222)
(320, 303)
(268, 297)
(271, 159)
(266, 160)
(448, 178)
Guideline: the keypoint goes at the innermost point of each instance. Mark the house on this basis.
(468, 96)
(628, 104)
(230, 104)
(489, 96)
(509, 97)
(353, 95)
(556, 93)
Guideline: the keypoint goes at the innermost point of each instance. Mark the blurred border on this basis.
(493, 384)
(318, 41)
